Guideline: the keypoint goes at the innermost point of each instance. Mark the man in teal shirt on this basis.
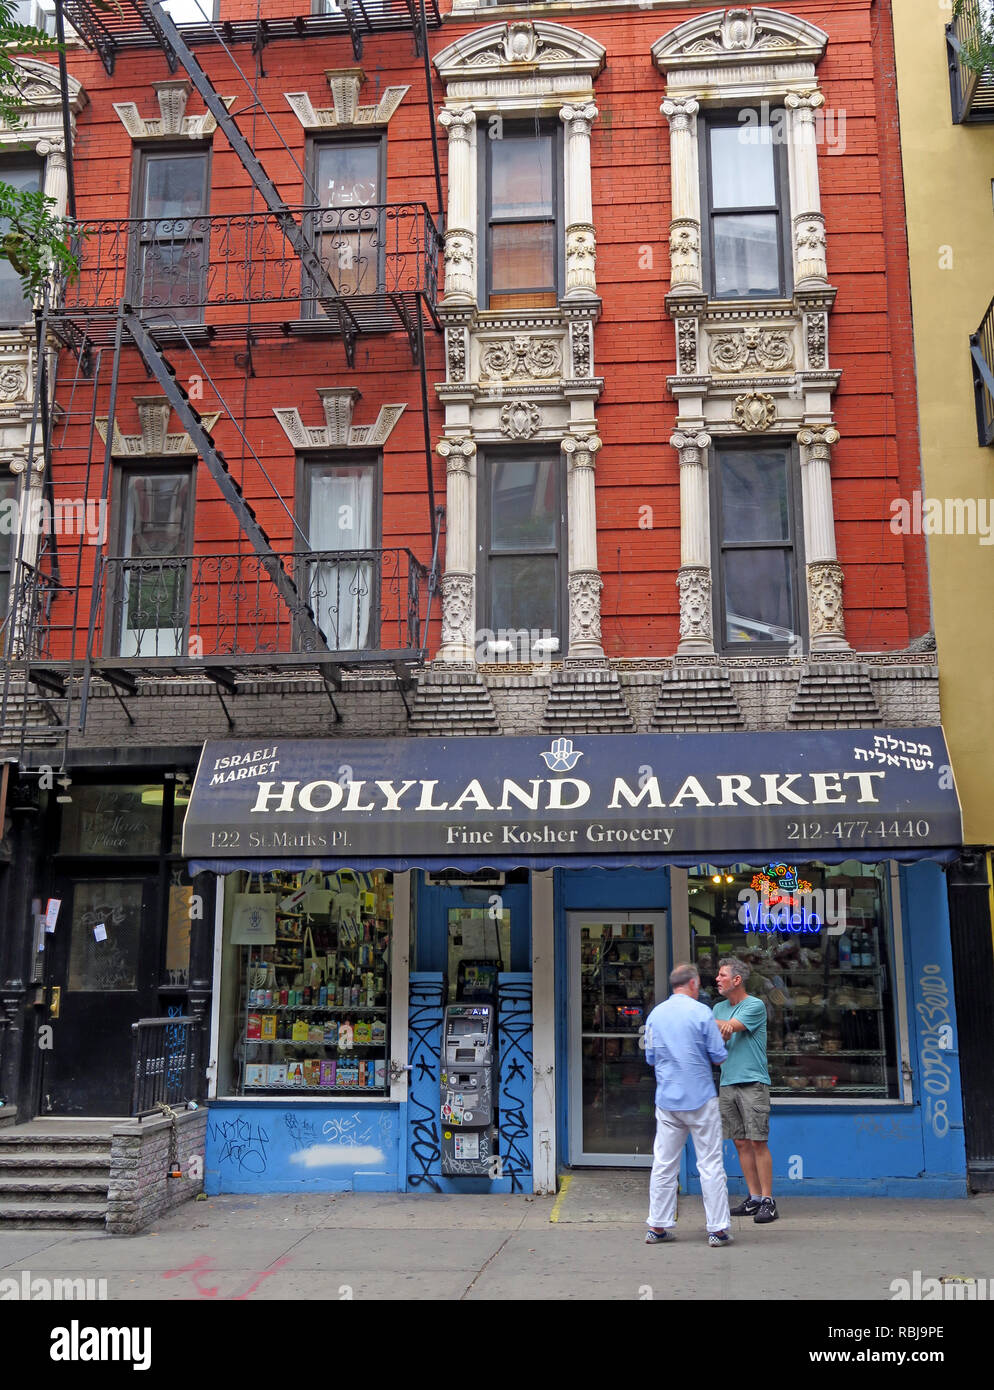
(744, 1095)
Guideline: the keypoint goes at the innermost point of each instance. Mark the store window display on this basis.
(306, 983)
(818, 940)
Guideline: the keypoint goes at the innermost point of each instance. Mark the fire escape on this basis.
(273, 273)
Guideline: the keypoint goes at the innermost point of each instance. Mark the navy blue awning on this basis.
(607, 800)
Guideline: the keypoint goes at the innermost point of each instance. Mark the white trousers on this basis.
(672, 1128)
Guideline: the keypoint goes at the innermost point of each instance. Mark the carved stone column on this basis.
(56, 182)
(581, 246)
(585, 582)
(809, 224)
(826, 619)
(460, 235)
(459, 579)
(685, 224)
(694, 579)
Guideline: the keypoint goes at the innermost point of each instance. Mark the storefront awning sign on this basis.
(474, 802)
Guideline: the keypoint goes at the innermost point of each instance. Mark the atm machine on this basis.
(469, 1078)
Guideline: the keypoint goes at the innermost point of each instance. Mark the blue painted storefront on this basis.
(857, 1149)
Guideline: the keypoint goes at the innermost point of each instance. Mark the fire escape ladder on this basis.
(314, 268)
(308, 632)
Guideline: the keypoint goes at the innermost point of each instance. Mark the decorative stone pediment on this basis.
(738, 37)
(39, 86)
(520, 47)
(346, 112)
(338, 431)
(154, 439)
(172, 123)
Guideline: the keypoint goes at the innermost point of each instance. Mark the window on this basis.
(25, 176)
(148, 583)
(521, 571)
(818, 941)
(173, 234)
(35, 14)
(743, 195)
(758, 591)
(343, 578)
(522, 264)
(348, 177)
(8, 541)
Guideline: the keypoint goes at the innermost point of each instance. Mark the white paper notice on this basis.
(100, 932)
(52, 913)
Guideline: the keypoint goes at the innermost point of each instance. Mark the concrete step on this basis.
(30, 1215)
(33, 1159)
(15, 1142)
(51, 1189)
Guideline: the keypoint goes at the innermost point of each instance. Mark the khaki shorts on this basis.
(745, 1110)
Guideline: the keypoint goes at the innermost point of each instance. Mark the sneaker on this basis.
(748, 1207)
(656, 1237)
(720, 1238)
(767, 1212)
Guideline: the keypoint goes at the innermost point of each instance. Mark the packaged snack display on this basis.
(312, 1008)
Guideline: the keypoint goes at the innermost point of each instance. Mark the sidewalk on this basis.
(585, 1244)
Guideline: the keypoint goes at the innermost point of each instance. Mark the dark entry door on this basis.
(102, 968)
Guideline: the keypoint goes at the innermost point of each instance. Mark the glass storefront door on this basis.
(618, 968)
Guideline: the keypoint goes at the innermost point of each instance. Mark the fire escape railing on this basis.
(971, 90)
(172, 271)
(193, 612)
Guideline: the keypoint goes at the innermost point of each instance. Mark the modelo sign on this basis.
(835, 794)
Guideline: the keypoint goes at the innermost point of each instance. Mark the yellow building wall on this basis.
(948, 171)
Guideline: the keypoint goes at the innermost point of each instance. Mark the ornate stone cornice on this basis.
(739, 36)
(345, 112)
(39, 88)
(154, 439)
(338, 431)
(172, 122)
(503, 49)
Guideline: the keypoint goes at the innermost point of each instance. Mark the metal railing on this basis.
(971, 87)
(27, 630)
(982, 353)
(165, 1064)
(224, 606)
(177, 268)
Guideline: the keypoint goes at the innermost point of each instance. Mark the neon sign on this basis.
(779, 901)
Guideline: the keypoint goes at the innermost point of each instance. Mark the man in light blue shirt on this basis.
(682, 1042)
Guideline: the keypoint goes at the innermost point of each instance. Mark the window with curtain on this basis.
(342, 573)
(522, 216)
(758, 564)
(744, 183)
(153, 572)
(350, 233)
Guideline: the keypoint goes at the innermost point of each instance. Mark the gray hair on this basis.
(682, 975)
(736, 967)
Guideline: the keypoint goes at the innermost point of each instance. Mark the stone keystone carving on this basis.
(754, 411)
(338, 431)
(520, 419)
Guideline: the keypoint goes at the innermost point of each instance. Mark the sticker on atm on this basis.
(467, 1146)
